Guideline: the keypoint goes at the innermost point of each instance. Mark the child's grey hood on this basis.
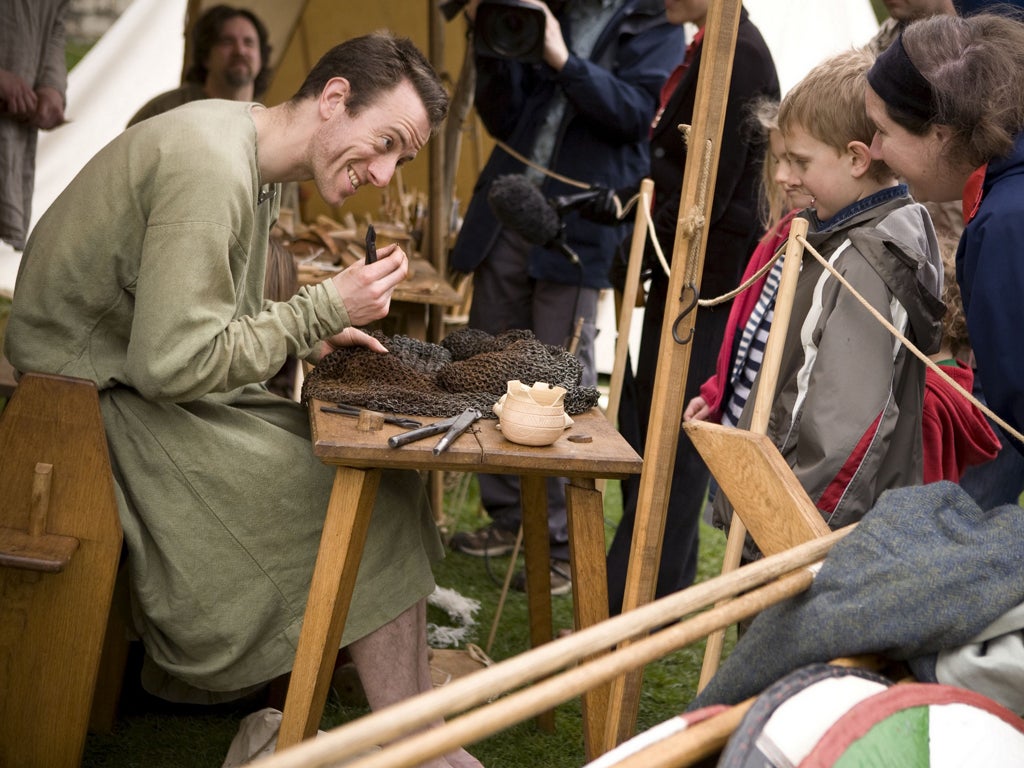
(903, 249)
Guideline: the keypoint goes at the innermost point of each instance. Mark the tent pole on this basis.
(438, 202)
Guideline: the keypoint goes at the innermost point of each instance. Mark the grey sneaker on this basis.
(561, 578)
(491, 541)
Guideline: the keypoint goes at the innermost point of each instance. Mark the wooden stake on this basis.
(768, 378)
(40, 502)
(629, 294)
(504, 589)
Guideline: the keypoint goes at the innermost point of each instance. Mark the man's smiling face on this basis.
(349, 151)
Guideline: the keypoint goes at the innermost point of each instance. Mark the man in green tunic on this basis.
(146, 276)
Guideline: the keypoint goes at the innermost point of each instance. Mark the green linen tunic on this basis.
(146, 276)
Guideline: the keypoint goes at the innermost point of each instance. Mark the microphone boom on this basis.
(519, 205)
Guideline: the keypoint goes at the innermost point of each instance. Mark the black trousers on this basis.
(678, 566)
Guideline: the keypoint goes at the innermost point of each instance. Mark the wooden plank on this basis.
(759, 484)
(585, 506)
(52, 626)
(481, 449)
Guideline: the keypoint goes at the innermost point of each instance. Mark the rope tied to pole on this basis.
(691, 225)
(937, 369)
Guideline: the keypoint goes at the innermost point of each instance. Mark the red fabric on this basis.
(972, 193)
(955, 432)
(669, 87)
(713, 390)
(833, 493)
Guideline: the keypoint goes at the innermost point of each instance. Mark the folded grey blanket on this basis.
(925, 570)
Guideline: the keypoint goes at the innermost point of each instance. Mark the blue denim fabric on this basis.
(847, 213)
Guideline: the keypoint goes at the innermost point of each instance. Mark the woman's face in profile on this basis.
(918, 160)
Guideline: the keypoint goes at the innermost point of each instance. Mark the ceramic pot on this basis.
(532, 415)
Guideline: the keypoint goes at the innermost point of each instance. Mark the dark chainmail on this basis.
(468, 369)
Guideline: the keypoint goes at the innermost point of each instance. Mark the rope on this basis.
(695, 219)
(745, 284)
(906, 342)
(692, 223)
(547, 172)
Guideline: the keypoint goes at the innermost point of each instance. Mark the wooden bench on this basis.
(60, 546)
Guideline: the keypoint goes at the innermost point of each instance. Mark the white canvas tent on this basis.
(802, 33)
(138, 57)
(141, 55)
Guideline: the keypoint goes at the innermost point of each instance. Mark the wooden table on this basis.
(361, 456)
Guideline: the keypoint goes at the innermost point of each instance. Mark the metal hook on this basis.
(685, 311)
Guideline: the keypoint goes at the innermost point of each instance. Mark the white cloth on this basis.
(992, 664)
(10, 258)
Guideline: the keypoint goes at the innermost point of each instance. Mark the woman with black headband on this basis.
(947, 99)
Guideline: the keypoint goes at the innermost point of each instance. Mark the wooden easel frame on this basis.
(674, 359)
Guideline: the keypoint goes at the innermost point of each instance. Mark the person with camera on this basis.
(577, 110)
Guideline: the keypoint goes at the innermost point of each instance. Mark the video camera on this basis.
(506, 29)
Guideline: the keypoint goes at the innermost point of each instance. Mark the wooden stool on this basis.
(60, 544)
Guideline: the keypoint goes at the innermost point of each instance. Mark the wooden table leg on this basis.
(585, 506)
(537, 550)
(330, 592)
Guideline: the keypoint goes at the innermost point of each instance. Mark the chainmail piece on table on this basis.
(468, 369)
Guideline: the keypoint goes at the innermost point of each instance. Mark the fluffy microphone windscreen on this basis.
(520, 206)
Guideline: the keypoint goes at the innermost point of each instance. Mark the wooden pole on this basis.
(785, 574)
(674, 359)
(539, 697)
(437, 231)
(629, 293)
(768, 378)
(628, 303)
(439, 195)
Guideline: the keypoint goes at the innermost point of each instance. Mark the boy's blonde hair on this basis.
(828, 103)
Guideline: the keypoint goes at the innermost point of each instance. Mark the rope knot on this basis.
(692, 223)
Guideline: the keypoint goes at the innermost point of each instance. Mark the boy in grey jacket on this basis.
(846, 412)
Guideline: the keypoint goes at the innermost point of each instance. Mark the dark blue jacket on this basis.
(990, 272)
(733, 223)
(602, 139)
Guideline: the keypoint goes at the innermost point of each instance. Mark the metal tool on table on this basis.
(352, 410)
(452, 428)
(371, 244)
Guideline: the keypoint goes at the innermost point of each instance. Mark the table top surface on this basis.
(338, 440)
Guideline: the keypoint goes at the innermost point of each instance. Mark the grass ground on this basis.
(154, 735)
